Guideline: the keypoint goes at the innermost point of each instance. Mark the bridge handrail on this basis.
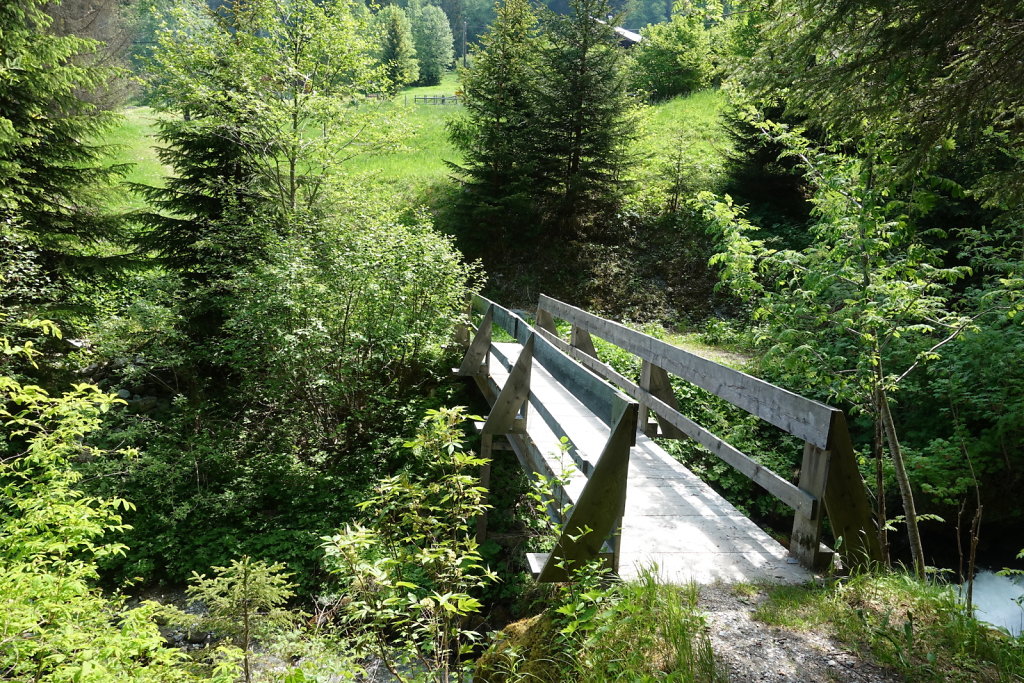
(802, 417)
(829, 471)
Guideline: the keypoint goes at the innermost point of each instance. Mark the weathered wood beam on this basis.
(655, 381)
(809, 420)
(846, 501)
(805, 541)
(598, 512)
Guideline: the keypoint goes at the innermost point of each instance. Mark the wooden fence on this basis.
(436, 99)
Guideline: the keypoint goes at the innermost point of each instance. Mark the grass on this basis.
(648, 631)
(636, 631)
(689, 124)
(422, 161)
(133, 141)
(683, 139)
(919, 629)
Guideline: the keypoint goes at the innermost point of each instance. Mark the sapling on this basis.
(245, 600)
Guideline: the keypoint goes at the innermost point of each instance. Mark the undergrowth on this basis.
(637, 631)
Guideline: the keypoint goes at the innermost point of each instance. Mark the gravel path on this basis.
(752, 651)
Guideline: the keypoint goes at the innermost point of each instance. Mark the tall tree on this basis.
(51, 172)
(498, 118)
(260, 95)
(397, 50)
(434, 43)
(928, 72)
(584, 120)
(277, 78)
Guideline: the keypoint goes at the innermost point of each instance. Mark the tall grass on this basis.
(649, 631)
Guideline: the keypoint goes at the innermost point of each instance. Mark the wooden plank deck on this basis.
(672, 519)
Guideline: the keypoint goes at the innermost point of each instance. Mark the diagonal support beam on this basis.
(656, 382)
(505, 418)
(598, 512)
(580, 339)
(477, 357)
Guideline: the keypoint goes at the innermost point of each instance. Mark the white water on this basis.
(994, 597)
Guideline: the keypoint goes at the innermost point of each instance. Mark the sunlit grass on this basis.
(687, 123)
(132, 141)
(683, 139)
(422, 161)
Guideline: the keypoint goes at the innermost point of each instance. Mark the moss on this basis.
(524, 650)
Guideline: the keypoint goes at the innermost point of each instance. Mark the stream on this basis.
(995, 600)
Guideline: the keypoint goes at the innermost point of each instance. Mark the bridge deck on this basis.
(671, 518)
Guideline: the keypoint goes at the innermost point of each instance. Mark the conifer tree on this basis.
(498, 117)
(397, 50)
(51, 174)
(585, 121)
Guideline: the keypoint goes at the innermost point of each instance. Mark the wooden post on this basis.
(805, 543)
(656, 381)
(486, 451)
(546, 322)
(579, 338)
(462, 328)
(846, 500)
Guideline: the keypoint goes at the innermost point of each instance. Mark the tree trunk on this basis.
(906, 493)
(878, 452)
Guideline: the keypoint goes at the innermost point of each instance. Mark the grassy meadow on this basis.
(682, 135)
(133, 141)
(422, 161)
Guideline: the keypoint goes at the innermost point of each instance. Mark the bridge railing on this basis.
(596, 503)
(829, 479)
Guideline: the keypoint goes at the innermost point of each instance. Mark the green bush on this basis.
(674, 58)
(341, 323)
(409, 576)
(57, 625)
(329, 350)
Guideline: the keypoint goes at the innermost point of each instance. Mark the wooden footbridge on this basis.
(572, 418)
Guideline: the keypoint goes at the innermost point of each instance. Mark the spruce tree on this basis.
(51, 173)
(397, 50)
(498, 117)
(584, 121)
(199, 228)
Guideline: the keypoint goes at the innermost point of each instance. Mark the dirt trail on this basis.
(752, 651)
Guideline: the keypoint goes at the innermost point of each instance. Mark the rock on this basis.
(523, 650)
(197, 637)
(124, 394)
(144, 404)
